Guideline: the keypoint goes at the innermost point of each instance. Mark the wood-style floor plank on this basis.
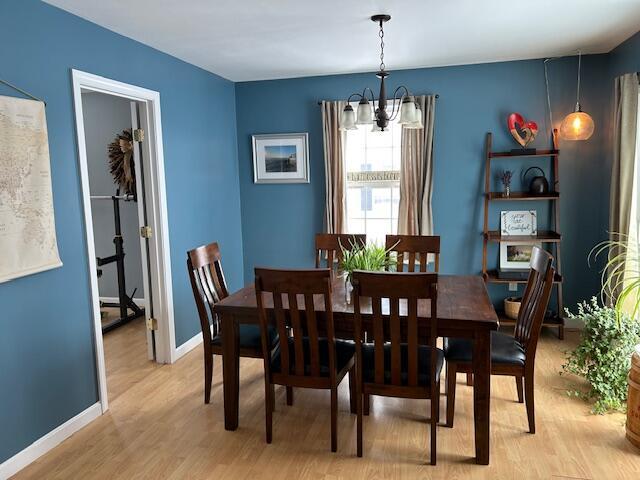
(158, 427)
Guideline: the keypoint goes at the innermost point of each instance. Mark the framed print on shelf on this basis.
(281, 158)
(518, 222)
(516, 255)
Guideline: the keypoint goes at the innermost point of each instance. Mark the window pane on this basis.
(355, 151)
(380, 203)
(380, 158)
(355, 226)
(372, 207)
(378, 139)
(355, 206)
(377, 229)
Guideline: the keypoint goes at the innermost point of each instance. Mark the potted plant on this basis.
(369, 257)
(610, 341)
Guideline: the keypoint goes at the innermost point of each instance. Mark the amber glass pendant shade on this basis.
(577, 126)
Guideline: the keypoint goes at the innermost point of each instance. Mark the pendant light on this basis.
(379, 118)
(577, 125)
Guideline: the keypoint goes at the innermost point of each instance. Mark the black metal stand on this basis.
(125, 302)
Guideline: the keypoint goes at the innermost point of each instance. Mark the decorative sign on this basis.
(27, 228)
(518, 222)
(281, 158)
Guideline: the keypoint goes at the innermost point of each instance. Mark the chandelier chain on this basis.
(381, 35)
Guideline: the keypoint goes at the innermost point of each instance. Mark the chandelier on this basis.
(403, 103)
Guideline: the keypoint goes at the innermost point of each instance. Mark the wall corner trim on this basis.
(50, 440)
(187, 346)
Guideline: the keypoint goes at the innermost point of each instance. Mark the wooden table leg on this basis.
(230, 371)
(482, 394)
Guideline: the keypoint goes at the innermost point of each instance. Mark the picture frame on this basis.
(518, 222)
(281, 158)
(516, 255)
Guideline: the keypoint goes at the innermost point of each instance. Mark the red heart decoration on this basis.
(516, 124)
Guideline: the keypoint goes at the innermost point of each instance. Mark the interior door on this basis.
(143, 221)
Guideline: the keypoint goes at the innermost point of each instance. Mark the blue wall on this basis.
(47, 370)
(625, 58)
(279, 221)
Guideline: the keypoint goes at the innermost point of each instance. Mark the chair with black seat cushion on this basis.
(311, 357)
(416, 249)
(209, 287)
(330, 245)
(402, 322)
(512, 355)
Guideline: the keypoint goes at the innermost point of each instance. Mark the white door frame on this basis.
(157, 216)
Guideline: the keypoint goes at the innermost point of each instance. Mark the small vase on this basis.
(348, 288)
(507, 190)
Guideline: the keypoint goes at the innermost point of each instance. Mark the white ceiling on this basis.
(266, 39)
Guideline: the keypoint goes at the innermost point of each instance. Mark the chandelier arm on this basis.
(357, 95)
(364, 95)
(394, 112)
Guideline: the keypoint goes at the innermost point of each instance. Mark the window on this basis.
(373, 181)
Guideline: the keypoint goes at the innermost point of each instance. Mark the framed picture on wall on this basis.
(516, 255)
(281, 158)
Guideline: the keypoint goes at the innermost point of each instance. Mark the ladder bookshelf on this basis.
(551, 239)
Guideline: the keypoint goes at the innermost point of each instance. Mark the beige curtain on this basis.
(415, 216)
(334, 167)
(624, 152)
(624, 155)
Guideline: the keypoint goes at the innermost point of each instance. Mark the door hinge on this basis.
(152, 323)
(138, 135)
(146, 232)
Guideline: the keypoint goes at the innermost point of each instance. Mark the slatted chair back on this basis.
(399, 325)
(417, 248)
(535, 300)
(293, 294)
(328, 245)
(208, 285)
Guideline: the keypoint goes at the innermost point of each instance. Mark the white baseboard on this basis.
(187, 346)
(41, 446)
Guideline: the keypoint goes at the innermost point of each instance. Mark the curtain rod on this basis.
(24, 92)
(436, 95)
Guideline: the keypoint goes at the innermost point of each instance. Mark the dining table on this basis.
(464, 310)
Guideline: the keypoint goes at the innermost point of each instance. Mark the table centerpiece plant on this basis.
(356, 256)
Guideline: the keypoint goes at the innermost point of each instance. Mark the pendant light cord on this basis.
(578, 89)
(546, 81)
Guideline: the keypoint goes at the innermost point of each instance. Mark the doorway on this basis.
(124, 199)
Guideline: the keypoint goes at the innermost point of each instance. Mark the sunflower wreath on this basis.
(121, 163)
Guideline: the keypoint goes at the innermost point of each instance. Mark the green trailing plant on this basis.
(369, 257)
(621, 275)
(603, 355)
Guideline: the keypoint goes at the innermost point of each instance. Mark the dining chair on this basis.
(209, 287)
(312, 357)
(512, 355)
(417, 247)
(328, 245)
(395, 363)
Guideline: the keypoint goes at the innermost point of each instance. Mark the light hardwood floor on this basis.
(158, 427)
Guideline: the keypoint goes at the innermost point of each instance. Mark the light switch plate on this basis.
(513, 287)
